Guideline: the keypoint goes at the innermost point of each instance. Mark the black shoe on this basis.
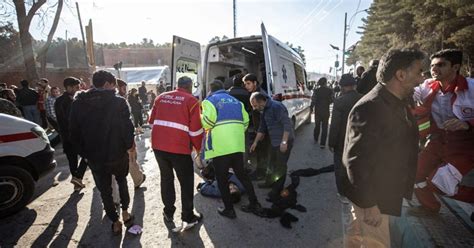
(322, 146)
(255, 208)
(229, 213)
(197, 217)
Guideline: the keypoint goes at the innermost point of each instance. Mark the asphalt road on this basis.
(60, 218)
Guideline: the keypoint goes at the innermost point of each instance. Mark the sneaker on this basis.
(322, 146)
(139, 185)
(77, 188)
(117, 228)
(168, 218)
(77, 182)
(229, 213)
(255, 208)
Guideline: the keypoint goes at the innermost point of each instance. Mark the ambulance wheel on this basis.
(17, 187)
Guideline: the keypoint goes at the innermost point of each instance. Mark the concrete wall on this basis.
(55, 76)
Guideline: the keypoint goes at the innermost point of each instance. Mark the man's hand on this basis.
(372, 216)
(283, 147)
(254, 145)
(455, 125)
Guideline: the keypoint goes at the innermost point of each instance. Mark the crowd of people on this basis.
(377, 121)
(397, 130)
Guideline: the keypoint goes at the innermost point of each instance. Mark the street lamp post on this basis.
(345, 35)
(344, 43)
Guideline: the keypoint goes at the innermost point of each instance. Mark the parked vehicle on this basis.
(25, 156)
(279, 69)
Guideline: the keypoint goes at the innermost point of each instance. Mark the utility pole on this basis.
(344, 43)
(67, 53)
(82, 33)
(235, 19)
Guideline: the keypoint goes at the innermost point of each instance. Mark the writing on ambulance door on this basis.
(186, 61)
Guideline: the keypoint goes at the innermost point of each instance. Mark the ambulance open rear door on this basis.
(186, 61)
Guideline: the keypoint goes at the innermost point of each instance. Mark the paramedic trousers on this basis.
(103, 181)
(455, 148)
(221, 168)
(182, 164)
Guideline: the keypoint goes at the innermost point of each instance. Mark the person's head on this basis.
(104, 80)
(445, 64)
(374, 63)
(322, 81)
(133, 92)
(8, 94)
(24, 83)
(43, 82)
(71, 85)
(250, 82)
(238, 81)
(55, 92)
(400, 71)
(121, 87)
(258, 101)
(347, 82)
(235, 194)
(185, 83)
(143, 83)
(359, 70)
(161, 83)
(216, 85)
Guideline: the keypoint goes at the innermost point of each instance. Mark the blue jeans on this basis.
(32, 113)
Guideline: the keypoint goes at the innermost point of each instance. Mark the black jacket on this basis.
(340, 112)
(242, 95)
(367, 81)
(100, 126)
(135, 104)
(320, 100)
(26, 97)
(62, 107)
(380, 152)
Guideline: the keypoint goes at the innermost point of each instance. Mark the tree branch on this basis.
(45, 47)
(32, 11)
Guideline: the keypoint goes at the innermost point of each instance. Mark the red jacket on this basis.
(176, 123)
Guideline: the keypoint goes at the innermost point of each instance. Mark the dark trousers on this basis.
(137, 118)
(53, 123)
(221, 168)
(263, 156)
(321, 123)
(342, 179)
(73, 158)
(279, 165)
(103, 182)
(183, 166)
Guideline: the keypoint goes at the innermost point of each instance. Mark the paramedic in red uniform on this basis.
(449, 154)
(176, 130)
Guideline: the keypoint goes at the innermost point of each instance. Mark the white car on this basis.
(25, 156)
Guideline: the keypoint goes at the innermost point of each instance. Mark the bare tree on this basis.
(24, 23)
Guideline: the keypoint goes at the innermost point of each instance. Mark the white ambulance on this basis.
(279, 69)
(25, 156)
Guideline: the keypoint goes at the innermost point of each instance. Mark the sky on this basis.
(311, 24)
